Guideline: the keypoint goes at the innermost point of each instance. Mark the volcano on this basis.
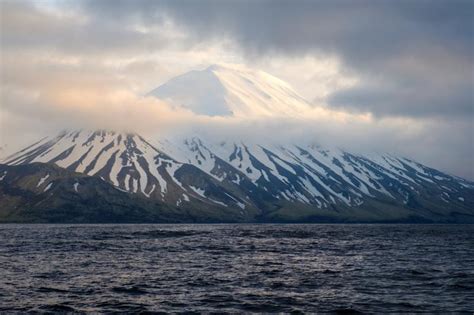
(194, 179)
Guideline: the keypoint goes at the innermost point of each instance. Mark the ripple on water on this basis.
(340, 269)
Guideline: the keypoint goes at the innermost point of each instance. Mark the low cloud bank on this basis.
(28, 116)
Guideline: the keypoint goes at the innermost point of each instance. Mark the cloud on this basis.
(396, 100)
(27, 25)
(417, 53)
(29, 115)
(374, 38)
(433, 86)
(385, 76)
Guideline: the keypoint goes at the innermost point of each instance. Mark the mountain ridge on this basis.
(258, 180)
(246, 180)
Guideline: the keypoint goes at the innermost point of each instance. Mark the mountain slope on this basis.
(309, 176)
(45, 193)
(248, 181)
(126, 160)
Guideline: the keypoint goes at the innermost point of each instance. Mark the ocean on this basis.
(335, 268)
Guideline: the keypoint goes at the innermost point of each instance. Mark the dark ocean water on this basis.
(237, 268)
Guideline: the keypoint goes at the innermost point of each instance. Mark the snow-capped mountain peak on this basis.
(268, 181)
(232, 90)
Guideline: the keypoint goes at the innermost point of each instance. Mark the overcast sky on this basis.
(401, 72)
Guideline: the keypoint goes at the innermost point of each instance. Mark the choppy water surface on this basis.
(237, 268)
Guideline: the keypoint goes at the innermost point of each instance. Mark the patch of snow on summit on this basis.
(232, 90)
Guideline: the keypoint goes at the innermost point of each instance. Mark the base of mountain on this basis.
(25, 197)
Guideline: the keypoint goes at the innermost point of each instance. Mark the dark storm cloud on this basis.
(360, 30)
(374, 38)
(27, 26)
(420, 100)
